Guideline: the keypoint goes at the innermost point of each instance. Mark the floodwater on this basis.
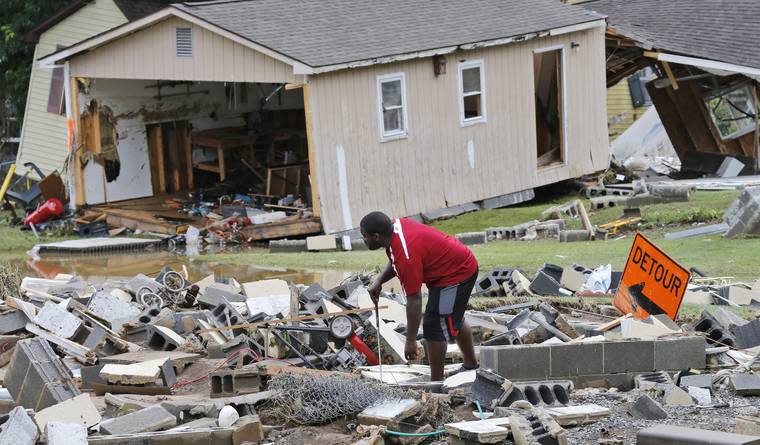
(120, 266)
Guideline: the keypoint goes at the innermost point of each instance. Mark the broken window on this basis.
(472, 107)
(733, 113)
(56, 101)
(392, 105)
(547, 72)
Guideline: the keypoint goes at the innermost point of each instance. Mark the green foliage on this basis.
(17, 17)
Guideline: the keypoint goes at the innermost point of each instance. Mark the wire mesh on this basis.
(311, 400)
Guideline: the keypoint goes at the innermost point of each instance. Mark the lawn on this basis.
(13, 240)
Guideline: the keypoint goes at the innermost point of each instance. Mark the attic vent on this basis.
(184, 42)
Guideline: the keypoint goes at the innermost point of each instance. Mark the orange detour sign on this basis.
(652, 282)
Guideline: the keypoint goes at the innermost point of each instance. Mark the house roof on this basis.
(329, 32)
(132, 10)
(137, 9)
(720, 30)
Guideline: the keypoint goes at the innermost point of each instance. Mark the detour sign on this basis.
(652, 282)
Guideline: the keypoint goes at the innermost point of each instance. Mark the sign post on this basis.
(652, 282)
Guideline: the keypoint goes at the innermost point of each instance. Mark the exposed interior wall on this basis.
(43, 136)
(621, 113)
(130, 105)
(441, 163)
(689, 125)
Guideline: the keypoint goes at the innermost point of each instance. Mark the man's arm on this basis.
(377, 285)
(413, 318)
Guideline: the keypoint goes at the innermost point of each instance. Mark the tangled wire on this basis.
(311, 400)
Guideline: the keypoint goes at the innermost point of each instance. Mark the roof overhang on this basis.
(597, 23)
(710, 66)
(164, 14)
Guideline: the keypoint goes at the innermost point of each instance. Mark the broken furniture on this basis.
(221, 140)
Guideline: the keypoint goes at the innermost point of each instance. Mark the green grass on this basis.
(17, 241)
(707, 207)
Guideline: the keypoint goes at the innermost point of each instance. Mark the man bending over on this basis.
(420, 254)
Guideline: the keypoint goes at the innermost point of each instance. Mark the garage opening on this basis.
(547, 72)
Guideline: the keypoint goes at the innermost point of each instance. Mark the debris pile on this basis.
(155, 359)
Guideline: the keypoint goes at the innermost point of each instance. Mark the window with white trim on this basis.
(391, 102)
(472, 98)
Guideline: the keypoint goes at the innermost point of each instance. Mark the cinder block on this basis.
(572, 236)
(743, 216)
(748, 335)
(628, 356)
(546, 393)
(746, 384)
(698, 381)
(523, 362)
(488, 286)
(163, 338)
(322, 242)
(59, 433)
(57, 320)
(90, 375)
(677, 353)
(575, 359)
(472, 238)
(12, 321)
(152, 418)
(226, 315)
(487, 388)
(730, 168)
(19, 429)
(622, 380)
(234, 382)
(651, 380)
(678, 435)
(714, 331)
(115, 311)
(574, 277)
(536, 428)
(36, 377)
(647, 409)
(214, 296)
(603, 202)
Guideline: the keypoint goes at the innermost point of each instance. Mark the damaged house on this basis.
(707, 64)
(352, 105)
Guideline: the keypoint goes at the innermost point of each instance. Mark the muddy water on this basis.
(99, 268)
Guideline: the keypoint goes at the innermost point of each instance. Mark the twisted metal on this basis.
(311, 400)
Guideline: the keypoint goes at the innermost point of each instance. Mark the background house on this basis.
(706, 89)
(403, 107)
(44, 132)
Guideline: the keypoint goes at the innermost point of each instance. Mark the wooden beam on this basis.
(78, 144)
(671, 76)
(156, 154)
(183, 139)
(651, 54)
(315, 204)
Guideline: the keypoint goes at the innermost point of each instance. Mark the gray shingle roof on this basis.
(137, 9)
(721, 30)
(328, 32)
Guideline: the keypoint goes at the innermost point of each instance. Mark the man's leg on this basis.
(466, 346)
(436, 351)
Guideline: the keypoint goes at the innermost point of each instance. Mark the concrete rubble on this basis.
(157, 360)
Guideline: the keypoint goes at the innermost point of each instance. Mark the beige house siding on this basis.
(433, 167)
(150, 54)
(43, 135)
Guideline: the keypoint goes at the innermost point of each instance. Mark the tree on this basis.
(17, 17)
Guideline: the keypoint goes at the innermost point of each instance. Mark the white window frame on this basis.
(460, 68)
(563, 79)
(386, 136)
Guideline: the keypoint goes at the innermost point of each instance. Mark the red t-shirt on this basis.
(422, 254)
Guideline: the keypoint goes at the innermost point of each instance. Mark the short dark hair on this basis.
(377, 222)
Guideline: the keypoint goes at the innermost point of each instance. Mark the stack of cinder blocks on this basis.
(614, 363)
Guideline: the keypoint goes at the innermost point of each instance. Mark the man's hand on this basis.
(374, 291)
(410, 350)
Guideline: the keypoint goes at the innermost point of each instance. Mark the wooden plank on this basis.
(669, 73)
(186, 149)
(291, 228)
(172, 152)
(310, 144)
(156, 154)
(77, 130)
(270, 370)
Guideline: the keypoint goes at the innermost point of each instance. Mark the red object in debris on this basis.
(362, 347)
(52, 208)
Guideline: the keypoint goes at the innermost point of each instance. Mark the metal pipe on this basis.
(557, 333)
